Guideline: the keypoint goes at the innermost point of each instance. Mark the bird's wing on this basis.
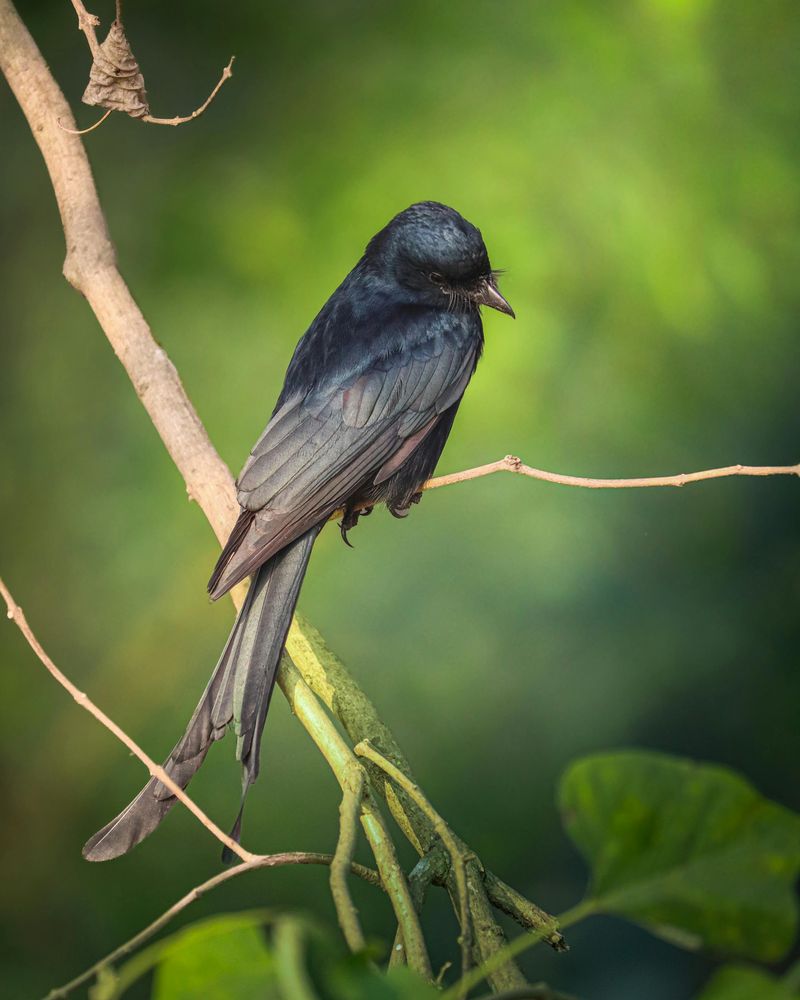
(320, 449)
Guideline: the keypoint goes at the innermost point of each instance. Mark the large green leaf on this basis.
(217, 959)
(690, 850)
(742, 982)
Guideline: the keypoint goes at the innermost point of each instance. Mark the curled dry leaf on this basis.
(115, 80)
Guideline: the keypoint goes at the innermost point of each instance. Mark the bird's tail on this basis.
(239, 692)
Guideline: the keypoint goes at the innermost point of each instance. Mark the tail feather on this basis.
(239, 691)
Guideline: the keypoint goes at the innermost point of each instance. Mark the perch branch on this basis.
(263, 861)
(16, 614)
(513, 464)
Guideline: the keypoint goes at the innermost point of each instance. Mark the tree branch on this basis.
(513, 464)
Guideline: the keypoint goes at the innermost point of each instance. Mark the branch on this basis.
(365, 749)
(87, 23)
(513, 464)
(227, 73)
(264, 861)
(16, 614)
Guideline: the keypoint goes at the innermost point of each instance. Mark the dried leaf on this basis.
(115, 80)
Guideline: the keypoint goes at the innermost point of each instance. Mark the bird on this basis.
(366, 407)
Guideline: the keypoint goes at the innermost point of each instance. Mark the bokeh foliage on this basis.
(634, 165)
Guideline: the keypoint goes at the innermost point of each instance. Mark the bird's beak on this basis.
(488, 295)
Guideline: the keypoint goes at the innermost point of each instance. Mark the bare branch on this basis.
(227, 73)
(87, 23)
(263, 861)
(16, 614)
(513, 464)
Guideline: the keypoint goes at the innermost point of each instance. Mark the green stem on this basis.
(396, 885)
(289, 960)
(365, 749)
(306, 706)
(349, 809)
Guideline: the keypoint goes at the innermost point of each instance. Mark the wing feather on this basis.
(320, 450)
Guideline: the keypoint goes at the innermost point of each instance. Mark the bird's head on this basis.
(433, 251)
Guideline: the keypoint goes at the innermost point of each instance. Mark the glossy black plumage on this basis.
(368, 401)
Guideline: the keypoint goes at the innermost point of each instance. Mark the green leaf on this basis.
(741, 982)
(217, 959)
(691, 851)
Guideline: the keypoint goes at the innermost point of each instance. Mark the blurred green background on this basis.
(634, 166)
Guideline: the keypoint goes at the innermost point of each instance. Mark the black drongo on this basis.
(367, 404)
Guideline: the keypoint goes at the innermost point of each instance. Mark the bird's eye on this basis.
(436, 278)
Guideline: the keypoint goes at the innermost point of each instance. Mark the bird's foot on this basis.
(401, 510)
(350, 520)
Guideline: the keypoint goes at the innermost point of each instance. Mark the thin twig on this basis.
(16, 614)
(227, 73)
(513, 464)
(263, 861)
(365, 749)
(349, 810)
(87, 23)
(84, 131)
